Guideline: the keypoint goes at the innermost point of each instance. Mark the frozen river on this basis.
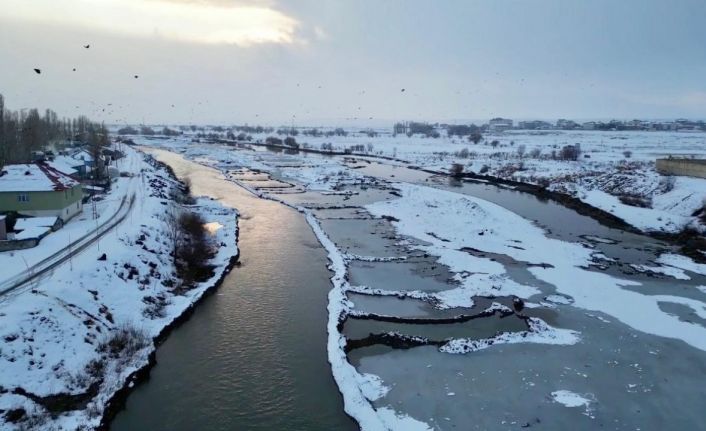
(254, 355)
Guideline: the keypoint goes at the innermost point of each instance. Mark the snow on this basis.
(558, 299)
(54, 328)
(465, 221)
(420, 213)
(66, 165)
(642, 218)
(372, 386)
(539, 333)
(395, 421)
(570, 399)
(32, 232)
(682, 262)
(33, 178)
(26, 223)
(677, 273)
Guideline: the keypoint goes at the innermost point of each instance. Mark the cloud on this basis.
(196, 21)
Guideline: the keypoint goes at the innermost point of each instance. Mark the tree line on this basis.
(27, 130)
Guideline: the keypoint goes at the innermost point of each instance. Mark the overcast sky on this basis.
(308, 62)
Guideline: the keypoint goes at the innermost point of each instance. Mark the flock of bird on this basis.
(38, 71)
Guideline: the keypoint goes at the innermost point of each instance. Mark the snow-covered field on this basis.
(612, 166)
(71, 340)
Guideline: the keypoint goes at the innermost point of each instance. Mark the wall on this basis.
(687, 167)
(21, 244)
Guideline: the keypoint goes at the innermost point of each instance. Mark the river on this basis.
(253, 356)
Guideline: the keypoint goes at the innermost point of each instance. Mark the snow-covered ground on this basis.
(89, 326)
(612, 166)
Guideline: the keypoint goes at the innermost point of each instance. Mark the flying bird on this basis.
(136, 76)
(87, 46)
(74, 69)
(402, 90)
(37, 71)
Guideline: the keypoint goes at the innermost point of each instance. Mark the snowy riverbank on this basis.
(73, 340)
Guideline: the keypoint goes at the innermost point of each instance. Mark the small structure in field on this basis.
(686, 167)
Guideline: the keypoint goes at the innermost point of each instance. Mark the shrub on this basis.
(475, 137)
(128, 130)
(271, 140)
(666, 184)
(484, 169)
(124, 342)
(146, 130)
(570, 152)
(194, 249)
(463, 154)
(627, 154)
(456, 169)
(635, 200)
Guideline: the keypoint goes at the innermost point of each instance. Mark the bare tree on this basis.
(173, 231)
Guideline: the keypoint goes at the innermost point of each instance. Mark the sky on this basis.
(328, 62)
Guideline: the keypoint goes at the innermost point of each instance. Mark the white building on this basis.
(499, 124)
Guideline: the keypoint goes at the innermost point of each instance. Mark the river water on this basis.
(253, 356)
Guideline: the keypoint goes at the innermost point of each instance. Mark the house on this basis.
(85, 163)
(499, 124)
(534, 125)
(67, 166)
(564, 124)
(39, 190)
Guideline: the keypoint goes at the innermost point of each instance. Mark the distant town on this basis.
(498, 124)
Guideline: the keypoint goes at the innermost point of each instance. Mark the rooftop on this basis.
(38, 177)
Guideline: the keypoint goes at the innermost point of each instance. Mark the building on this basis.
(499, 124)
(67, 166)
(534, 125)
(84, 163)
(564, 124)
(39, 190)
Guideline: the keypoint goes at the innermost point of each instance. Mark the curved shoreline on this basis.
(118, 399)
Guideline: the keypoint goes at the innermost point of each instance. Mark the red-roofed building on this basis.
(39, 190)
